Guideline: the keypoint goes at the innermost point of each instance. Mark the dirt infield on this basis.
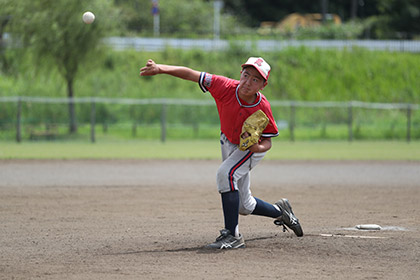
(149, 220)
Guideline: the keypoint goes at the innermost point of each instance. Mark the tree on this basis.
(324, 10)
(55, 32)
(400, 18)
(4, 19)
(180, 17)
(256, 11)
(136, 15)
(253, 12)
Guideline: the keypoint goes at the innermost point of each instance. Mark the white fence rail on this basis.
(292, 105)
(159, 44)
(105, 100)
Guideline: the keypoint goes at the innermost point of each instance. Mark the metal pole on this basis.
(156, 25)
(350, 121)
(217, 5)
(92, 121)
(163, 123)
(18, 121)
(324, 10)
(408, 123)
(134, 129)
(133, 117)
(156, 18)
(195, 128)
(292, 121)
(353, 9)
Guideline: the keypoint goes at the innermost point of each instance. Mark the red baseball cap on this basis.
(260, 64)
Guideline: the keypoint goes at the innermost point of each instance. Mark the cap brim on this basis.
(259, 71)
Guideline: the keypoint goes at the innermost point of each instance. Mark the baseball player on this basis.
(236, 101)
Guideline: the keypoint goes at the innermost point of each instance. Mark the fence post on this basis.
(18, 121)
(350, 121)
(134, 129)
(134, 124)
(292, 121)
(92, 120)
(163, 123)
(408, 123)
(195, 128)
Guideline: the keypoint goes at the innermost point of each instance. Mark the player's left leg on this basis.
(233, 168)
(227, 176)
(232, 175)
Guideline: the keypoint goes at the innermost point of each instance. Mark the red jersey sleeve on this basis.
(216, 85)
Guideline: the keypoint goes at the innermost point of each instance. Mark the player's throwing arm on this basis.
(182, 72)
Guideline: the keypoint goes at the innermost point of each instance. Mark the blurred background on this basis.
(341, 70)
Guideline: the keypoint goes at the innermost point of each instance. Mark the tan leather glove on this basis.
(252, 129)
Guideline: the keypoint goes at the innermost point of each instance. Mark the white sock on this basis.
(236, 231)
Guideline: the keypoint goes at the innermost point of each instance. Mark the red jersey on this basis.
(232, 110)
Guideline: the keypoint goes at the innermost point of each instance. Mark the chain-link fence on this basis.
(96, 119)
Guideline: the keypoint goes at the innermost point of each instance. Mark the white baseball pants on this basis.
(234, 173)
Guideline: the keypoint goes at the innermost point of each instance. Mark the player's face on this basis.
(250, 83)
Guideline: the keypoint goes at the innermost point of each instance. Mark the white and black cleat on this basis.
(287, 217)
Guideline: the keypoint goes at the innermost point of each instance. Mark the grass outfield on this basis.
(208, 149)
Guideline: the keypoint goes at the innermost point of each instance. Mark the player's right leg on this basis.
(236, 164)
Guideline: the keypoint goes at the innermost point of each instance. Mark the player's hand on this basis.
(150, 69)
(245, 135)
(261, 147)
(254, 148)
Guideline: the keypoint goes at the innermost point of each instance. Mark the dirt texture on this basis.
(146, 219)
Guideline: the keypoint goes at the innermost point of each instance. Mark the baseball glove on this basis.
(252, 129)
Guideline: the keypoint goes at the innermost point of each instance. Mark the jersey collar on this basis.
(258, 100)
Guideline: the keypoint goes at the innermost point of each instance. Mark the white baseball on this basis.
(88, 17)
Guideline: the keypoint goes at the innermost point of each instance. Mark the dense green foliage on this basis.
(300, 74)
(297, 74)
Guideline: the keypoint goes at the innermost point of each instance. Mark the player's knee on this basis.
(222, 177)
(223, 183)
(247, 206)
(244, 211)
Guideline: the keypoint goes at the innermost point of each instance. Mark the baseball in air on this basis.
(88, 17)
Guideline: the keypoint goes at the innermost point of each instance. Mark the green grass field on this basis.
(209, 149)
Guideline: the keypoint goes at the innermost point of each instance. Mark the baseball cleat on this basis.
(227, 241)
(287, 217)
